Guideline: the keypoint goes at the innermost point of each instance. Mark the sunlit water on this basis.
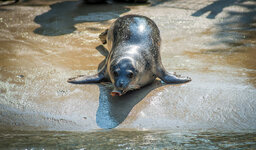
(43, 43)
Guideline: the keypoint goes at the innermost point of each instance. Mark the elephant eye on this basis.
(130, 75)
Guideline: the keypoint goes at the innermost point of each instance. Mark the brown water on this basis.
(43, 43)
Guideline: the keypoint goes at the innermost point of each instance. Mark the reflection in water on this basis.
(114, 139)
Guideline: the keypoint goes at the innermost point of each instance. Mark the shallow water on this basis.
(127, 140)
(43, 43)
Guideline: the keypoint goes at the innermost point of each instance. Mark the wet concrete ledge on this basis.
(43, 43)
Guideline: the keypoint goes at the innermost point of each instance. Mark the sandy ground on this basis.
(43, 43)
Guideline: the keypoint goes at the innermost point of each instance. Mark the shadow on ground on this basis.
(237, 30)
(216, 7)
(236, 25)
(112, 111)
(63, 16)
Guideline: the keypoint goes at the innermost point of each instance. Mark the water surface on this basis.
(127, 140)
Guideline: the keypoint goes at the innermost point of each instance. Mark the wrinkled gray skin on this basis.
(134, 59)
